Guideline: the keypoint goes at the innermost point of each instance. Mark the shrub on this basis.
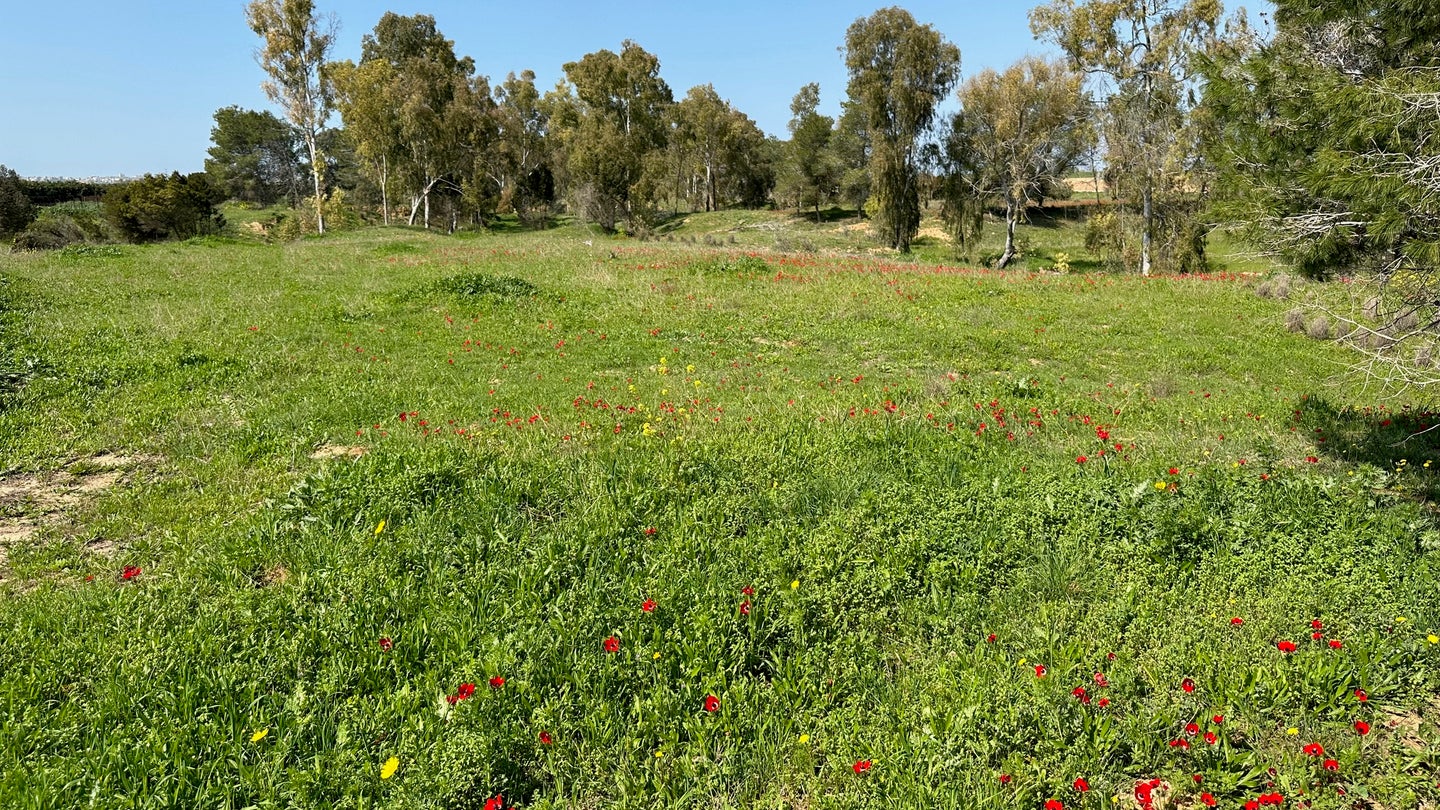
(66, 224)
(157, 207)
(339, 216)
(1295, 320)
(1319, 328)
(16, 210)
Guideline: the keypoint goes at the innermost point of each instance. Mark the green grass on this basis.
(886, 451)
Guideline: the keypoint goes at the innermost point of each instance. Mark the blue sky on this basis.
(98, 87)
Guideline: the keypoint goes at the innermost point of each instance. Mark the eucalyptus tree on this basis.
(367, 97)
(899, 72)
(812, 163)
(296, 41)
(1146, 50)
(1016, 136)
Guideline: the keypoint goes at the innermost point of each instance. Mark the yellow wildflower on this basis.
(656, 657)
(1292, 731)
(1399, 619)
(388, 769)
(804, 738)
(1433, 639)
(379, 528)
(259, 735)
(1160, 485)
(794, 585)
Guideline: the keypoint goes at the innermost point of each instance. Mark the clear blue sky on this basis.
(99, 87)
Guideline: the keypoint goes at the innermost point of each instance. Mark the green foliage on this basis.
(16, 209)
(899, 72)
(49, 192)
(158, 207)
(66, 224)
(255, 157)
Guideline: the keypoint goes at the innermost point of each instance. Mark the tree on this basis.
(366, 96)
(1145, 48)
(519, 160)
(421, 111)
(1324, 139)
(158, 206)
(1017, 135)
(255, 157)
(612, 116)
(296, 41)
(16, 210)
(815, 167)
(729, 162)
(899, 71)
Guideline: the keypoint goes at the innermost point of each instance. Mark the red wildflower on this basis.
(1361, 695)
(1314, 750)
(1079, 460)
(1285, 646)
(497, 682)
(1081, 695)
(465, 691)
(1252, 805)
(1210, 738)
(1187, 685)
(1081, 785)
(745, 608)
(1004, 778)
(1362, 728)
(1312, 459)
(1054, 804)
(1335, 644)
(1316, 624)
(1218, 719)
(712, 704)
(612, 645)
(1331, 765)
(648, 605)
(545, 738)
(748, 591)
(1272, 798)
(1102, 434)
(1174, 470)
(386, 643)
(1198, 778)
(130, 572)
(1207, 800)
(861, 766)
(1316, 636)
(1180, 743)
(1039, 670)
(1100, 680)
(1102, 702)
(1236, 621)
(651, 530)
(495, 803)
(1192, 729)
(990, 639)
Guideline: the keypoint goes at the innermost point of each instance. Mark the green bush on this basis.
(16, 210)
(72, 223)
(157, 207)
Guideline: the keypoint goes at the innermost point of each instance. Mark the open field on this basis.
(592, 522)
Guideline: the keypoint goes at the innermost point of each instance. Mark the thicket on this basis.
(158, 207)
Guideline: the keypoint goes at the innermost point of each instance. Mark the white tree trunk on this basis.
(1148, 216)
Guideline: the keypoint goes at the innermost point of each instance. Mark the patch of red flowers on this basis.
(861, 766)
(130, 572)
(1081, 785)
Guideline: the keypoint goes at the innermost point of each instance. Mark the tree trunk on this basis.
(427, 206)
(1147, 217)
(1010, 218)
(316, 170)
(385, 189)
(1095, 170)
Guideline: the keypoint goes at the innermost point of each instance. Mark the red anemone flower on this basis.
(990, 639)
(1331, 765)
(1362, 728)
(1210, 738)
(1174, 470)
(648, 605)
(1054, 804)
(497, 682)
(1187, 685)
(1039, 670)
(545, 738)
(745, 608)
(612, 645)
(748, 591)
(1081, 785)
(1207, 800)
(495, 803)
(1316, 636)
(1102, 702)
(1218, 719)
(1192, 729)
(1316, 624)
(1236, 621)
(1080, 460)
(1335, 644)
(465, 691)
(1285, 646)
(1361, 695)
(712, 704)
(861, 766)
(1081, 695)
(1314, 750)
(1004, 778)
(130, 572)
(386, 643)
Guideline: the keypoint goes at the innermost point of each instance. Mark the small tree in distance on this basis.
(16, 210)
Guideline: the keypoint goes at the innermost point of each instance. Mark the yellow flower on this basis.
(659, 754)
(795, 585)
(804, 738)
(379, 528)
(1433, 639)
(657, 657)
(1292, 731)
(690, 368)
(388, 769)
(259, 735)
(1399, 619)
(1159, 484)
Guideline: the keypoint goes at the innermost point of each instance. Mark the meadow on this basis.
(555, 519)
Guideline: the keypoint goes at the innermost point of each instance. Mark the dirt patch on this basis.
(326, 452)
(31, 502)
(932, 232)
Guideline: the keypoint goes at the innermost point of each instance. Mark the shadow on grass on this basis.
(1398, 443)
(827, 215)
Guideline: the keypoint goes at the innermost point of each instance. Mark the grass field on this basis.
(392, 519)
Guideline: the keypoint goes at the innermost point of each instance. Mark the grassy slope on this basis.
(844, 422)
